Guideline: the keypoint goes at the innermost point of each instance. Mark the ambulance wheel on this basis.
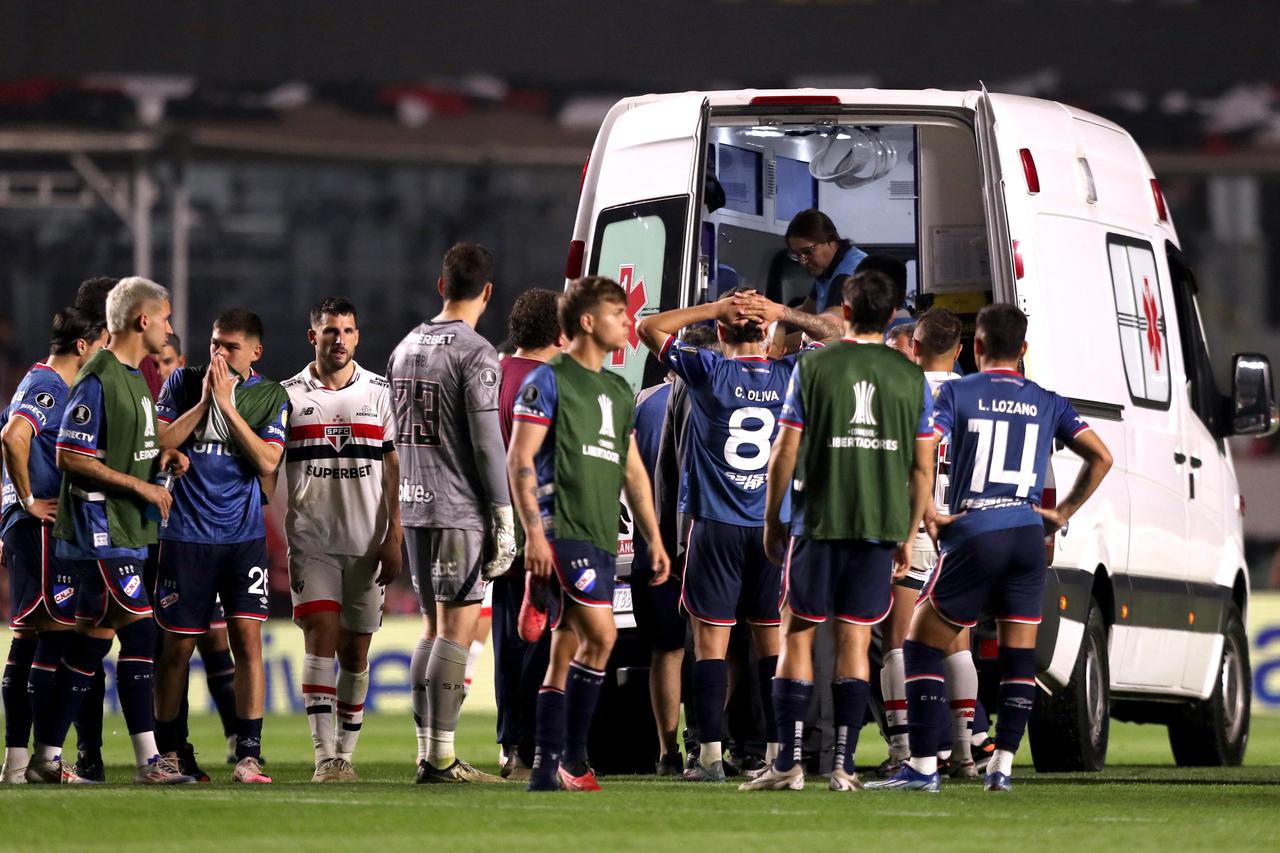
(1070, 729)
(1214, 732)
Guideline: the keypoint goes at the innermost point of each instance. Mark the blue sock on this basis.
(220, 675)
(1017, 695)
(927, 709)
(248, 738)
(13, 690)
(790, 707)
(74, 679)
(849, 696)
(50, 647)
(710, 684)
(89, 717)
(549, 737)
(766, 669)
(981, 720)
(135, 668)
(581, 694)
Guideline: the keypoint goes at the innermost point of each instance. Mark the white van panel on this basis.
(647, 153)
(1119, 175)
(1162, 654)
(1204, 653)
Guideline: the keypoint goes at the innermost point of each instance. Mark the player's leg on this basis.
(710, 690)
(361, 617)
(171, 691)
(761, 603)
(665, 663)
(550, 716)
(962, 696)
(244, 591)
(508, 654)
(483, 626)
(892, 675)
(596, 632)
(419, 545)
(24, 558)
(315, 582)
(1018, 602)
(220, 671)
(184, 589)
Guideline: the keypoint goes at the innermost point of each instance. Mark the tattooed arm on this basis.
(526, 438)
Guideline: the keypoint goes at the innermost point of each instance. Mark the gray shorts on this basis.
(444, 565)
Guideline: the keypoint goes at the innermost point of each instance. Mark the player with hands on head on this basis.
(571, 455)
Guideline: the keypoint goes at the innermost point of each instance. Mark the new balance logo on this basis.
(864, 393)
(606, 416)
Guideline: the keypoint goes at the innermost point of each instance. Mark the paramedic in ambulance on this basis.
(815, 244)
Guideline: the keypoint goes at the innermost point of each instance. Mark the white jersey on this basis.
(334, 463)
(942, 469)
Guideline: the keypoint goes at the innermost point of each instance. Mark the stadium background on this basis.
(269, 156)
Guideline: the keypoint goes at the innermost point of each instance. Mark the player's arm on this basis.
(389, 555)
(526, 438)
(177, 430)
(491, 463)
(263, 455)
(640, 496)
(657, 329)
(920, 495)
(782, 468)
(15, 450)
(819, 327)
(1097, 462)
(90, 468)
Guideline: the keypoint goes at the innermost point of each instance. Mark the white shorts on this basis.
(337, 583)
(923, 558)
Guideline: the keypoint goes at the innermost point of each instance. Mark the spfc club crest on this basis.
(338, 436)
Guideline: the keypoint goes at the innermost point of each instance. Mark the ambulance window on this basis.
(639, 246)
(1203, 393)
(1140, 319)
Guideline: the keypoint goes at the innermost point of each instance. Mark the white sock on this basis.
(418, 692)
(1001, 762)
(16, 756)
(710, 753)
(944, 754)
(144, 747)
(926, 764)
(353, 688)
(962, 694)
(473, 658)
(893, 687)
(319, 693)
(771, 751)
(44, 752)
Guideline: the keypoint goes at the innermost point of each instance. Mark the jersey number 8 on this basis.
(741, 436)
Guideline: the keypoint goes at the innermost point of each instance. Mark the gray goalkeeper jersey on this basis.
(444, 381)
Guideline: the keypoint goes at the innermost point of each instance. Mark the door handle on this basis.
(1195, 463)
(1179, 458)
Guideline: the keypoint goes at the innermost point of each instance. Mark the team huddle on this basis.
(844, 479)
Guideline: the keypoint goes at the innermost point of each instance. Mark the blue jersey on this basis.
(218, 501)
(39, 400)
(1002, 427)
(84, 421)
(536, 403)
(733, 419)
(651, 416)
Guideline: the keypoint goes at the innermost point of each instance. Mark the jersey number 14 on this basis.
(992, 450)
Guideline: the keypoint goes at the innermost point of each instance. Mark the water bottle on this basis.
(165, 481)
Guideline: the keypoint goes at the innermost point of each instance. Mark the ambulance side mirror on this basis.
(1253, 396)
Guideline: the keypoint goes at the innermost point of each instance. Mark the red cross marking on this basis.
(1153, 322)
(636, 299)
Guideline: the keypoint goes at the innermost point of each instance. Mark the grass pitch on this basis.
(1141, 802)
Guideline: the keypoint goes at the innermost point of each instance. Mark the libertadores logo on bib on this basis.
(606, 416)
(864, 393)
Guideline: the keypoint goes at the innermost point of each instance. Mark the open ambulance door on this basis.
(999, 243)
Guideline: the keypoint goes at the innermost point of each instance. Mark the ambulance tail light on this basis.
(1029, 171)
(1162, 212)
(1049, 500)
(573, 264)
(795, 101)
(1019, 268)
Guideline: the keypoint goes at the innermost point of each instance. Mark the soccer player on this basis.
(230, 422)
(520, 666)
(171, 358)
(41, 587)
(571, 454)
(736, 400)
(863, 480)
(935, 347)
(1002, 428)
(454, 500)
(109, 453)
(343, 526)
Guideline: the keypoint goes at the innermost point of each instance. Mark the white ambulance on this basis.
(991, 197)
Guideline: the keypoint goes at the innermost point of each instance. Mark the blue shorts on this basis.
(194, 581)
(657, 608)
(851, 578)
(118, 578)
(583, 574)
(1002, 572)
(727, 575)
(38, 579)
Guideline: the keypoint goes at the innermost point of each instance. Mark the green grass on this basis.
(1141, 802)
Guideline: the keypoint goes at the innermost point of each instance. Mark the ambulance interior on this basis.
(909, 190)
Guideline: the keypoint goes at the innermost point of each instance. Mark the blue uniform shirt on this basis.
(733, 418)
(82, 431)
(40, 399)
(536, 403)
(1002, 427)
(218, 500)
(651, 414)
(845, 266)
